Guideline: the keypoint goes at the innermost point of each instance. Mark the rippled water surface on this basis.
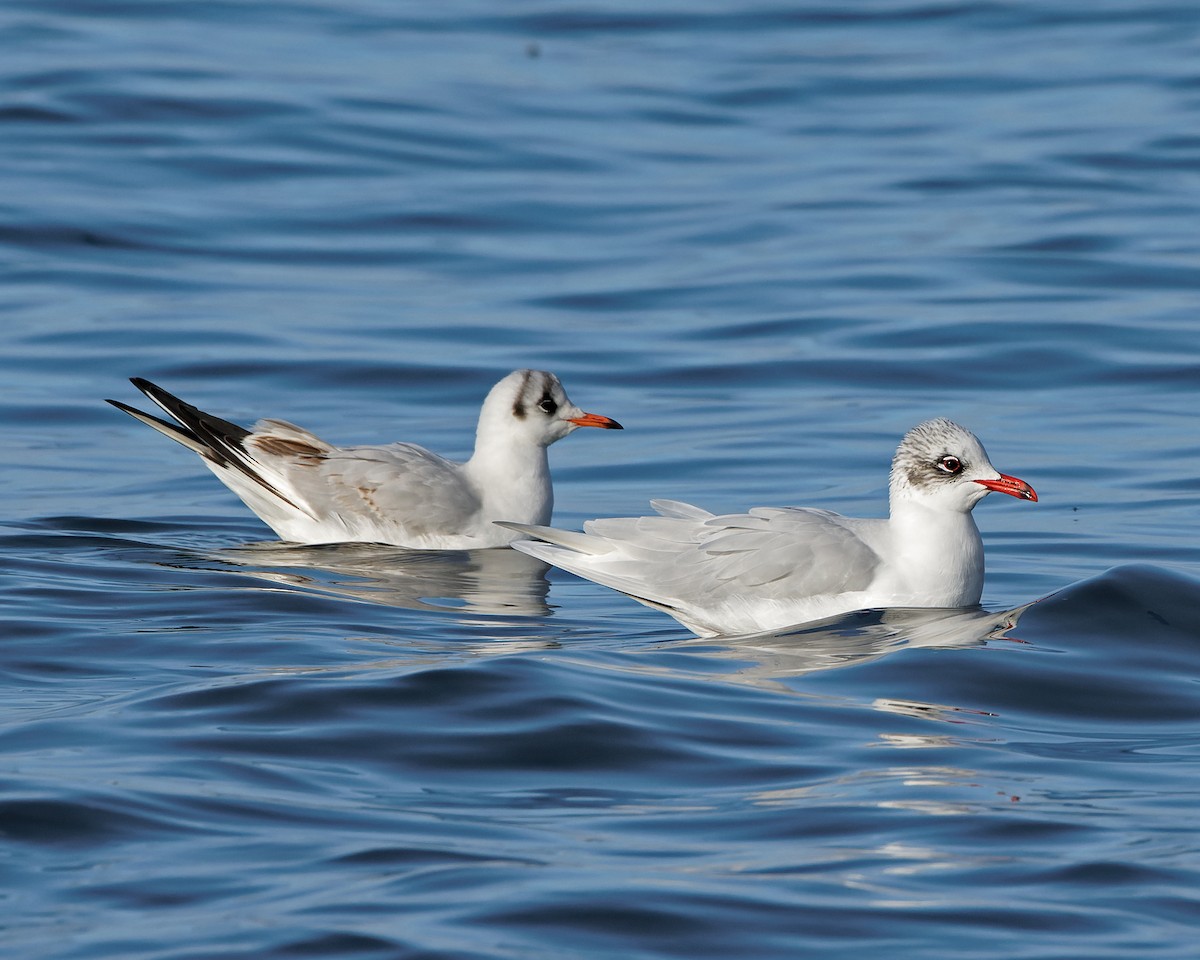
(768, 239)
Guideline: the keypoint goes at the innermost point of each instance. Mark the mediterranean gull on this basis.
(780, 566)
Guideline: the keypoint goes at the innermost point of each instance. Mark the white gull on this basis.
(309, 491)
(780, 566)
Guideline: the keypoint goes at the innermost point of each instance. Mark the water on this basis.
(767, 240)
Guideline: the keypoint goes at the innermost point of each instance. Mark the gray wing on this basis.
(685, 558)
(369, 492)
(771, 552)
(400, 483)
(806, 552)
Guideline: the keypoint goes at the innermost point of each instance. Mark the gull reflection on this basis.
(767, 658)
(494, 581)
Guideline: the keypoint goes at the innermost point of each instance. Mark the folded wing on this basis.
(688, 560)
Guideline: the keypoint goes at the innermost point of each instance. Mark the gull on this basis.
(309, 491)
(775, 567)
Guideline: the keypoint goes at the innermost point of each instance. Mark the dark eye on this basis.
(949, 464)
(548, 406)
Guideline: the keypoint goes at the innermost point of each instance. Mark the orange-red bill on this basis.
(604, 423)
(1013, 486)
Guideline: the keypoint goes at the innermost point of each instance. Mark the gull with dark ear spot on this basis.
(309, 491)
(777, 567)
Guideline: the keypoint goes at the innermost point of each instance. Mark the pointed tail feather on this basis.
(679, 510)
(573, 552)
(569, 539)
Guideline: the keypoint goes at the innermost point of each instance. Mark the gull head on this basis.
(531, 406)
(944, 466)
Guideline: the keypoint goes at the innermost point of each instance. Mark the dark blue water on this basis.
(767, 239)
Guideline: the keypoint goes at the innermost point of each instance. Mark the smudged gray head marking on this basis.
(518, 409)
(539, 390)
(919, 457)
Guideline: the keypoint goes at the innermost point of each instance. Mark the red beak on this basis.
(604, 423)
(1012, 486)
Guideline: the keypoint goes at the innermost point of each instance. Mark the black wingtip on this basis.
(124, 407)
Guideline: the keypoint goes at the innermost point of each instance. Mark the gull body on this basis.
(775, 567)
(310, 491)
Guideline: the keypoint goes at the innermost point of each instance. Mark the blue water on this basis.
(766, 238)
